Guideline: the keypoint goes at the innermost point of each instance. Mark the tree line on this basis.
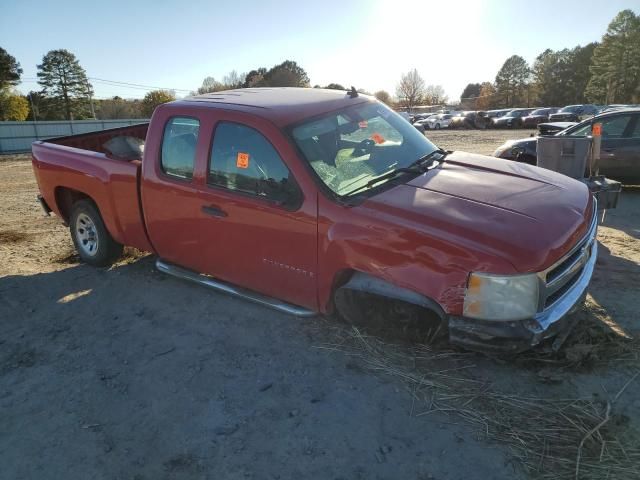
(605, 72)
(602, 72)
(66, 92)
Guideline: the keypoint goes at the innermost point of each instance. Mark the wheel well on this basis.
(365, 283)
(65, 198)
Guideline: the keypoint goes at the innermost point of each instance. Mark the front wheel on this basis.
(93, 242)
(437, 126)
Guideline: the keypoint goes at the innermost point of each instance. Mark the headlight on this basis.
(501, 297)
(503, 148)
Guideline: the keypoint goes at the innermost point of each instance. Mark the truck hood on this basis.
(525, 215)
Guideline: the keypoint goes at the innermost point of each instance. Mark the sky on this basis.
(176, 44)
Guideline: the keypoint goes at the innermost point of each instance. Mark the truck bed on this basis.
(100, 141)
(68, 168)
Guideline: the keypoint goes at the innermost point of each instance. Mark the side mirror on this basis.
(285, 194)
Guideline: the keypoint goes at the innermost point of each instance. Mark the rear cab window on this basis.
(179, 147)
(243, 160)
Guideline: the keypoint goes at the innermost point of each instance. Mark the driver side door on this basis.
(258, 230)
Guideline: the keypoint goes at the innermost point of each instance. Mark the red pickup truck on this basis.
(320, 201)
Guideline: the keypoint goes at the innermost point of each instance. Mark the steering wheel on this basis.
(363, 147)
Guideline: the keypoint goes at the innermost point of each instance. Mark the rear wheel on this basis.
(93, 242)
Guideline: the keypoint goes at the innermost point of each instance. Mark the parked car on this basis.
(511, 119)
(442, 120)
(551, 128)
(491, 114)
(620, 147)
(422, 123)
(618, 106)
(573, 113)
(470, 120)
(539, 115)
(309, 200)
(406, 116)
(422, 116)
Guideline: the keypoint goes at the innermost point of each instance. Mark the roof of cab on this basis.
(282, 105)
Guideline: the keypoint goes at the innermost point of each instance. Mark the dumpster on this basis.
(577, 157)
(564, 154)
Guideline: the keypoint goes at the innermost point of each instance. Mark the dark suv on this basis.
(620, 150)
(513, 119)
(574, 113)
(539, 115)
(469, 120)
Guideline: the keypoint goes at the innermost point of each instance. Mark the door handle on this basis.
(213, 211)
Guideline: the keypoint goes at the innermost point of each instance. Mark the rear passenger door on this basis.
(258, 231)
(626, 162)
(615, 135)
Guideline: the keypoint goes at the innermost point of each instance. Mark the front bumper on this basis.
(517, 336)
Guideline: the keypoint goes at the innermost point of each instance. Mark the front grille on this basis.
(559, 279)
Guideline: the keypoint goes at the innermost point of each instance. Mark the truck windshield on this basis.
(349, 147)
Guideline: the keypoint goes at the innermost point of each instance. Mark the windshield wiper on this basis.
(392, 173)
(422, 161)
(419, 166)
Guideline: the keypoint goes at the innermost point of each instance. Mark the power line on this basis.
(116, 83)
(136, 85)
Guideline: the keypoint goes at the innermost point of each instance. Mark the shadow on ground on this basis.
(125, 373)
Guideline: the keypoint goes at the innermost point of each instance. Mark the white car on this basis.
(439, 121)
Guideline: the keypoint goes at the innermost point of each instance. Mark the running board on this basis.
(279, 305)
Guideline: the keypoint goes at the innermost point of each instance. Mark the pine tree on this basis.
(65, 82)
(615, 69)
(511, 81)
(10, 70)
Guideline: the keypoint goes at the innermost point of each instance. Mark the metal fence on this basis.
(16, 137)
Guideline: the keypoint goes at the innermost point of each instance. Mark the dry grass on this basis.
(581, 438)
(597, 341)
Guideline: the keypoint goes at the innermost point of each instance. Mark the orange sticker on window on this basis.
(376, 137)
(596, 131)
(242, 160)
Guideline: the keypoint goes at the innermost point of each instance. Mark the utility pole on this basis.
(35, 117)
(93, 112)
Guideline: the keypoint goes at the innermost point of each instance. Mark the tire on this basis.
(437, 126)
(93, 242)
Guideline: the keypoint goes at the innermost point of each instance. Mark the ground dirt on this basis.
(124, 373)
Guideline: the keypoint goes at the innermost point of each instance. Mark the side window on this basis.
(635, 133)
(242, 159)
(614, 127)
(179, 146)
(582, 131)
